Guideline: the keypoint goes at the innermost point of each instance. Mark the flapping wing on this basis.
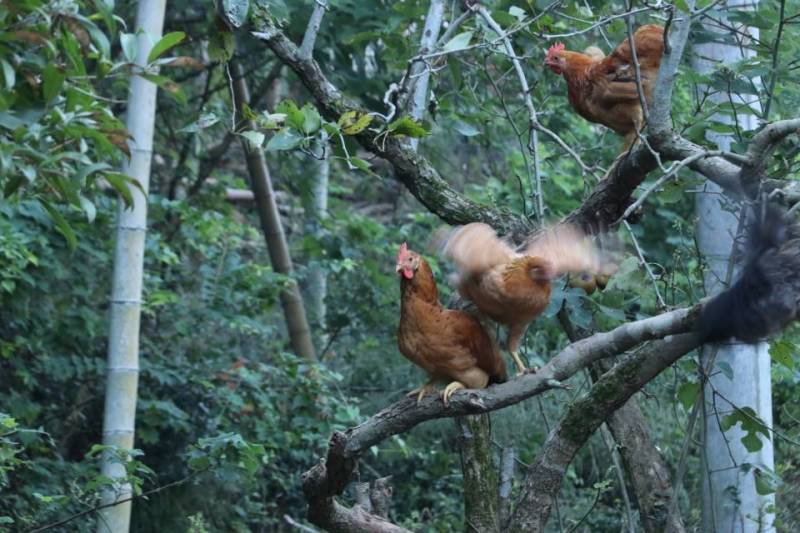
(476, 248)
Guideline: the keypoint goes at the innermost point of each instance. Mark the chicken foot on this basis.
(422, 390)
(450, 389)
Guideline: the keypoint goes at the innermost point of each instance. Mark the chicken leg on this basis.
(450, 389)
(427, 388)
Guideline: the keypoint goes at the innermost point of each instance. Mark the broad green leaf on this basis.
(459, 42)
(354, 122)
(766, 482)
(205, 121)
(52, 80)
(284, 140)
(294, 116)
(9, 75)
(311, 119)
(221, 46)
(121, 183)
(517, 12)
(88, 208)
(164, 44)
(407, 126)
(129, 46)
(61, 224)
(687, 394)
(782, 352)
(726, 368)
(254, 139)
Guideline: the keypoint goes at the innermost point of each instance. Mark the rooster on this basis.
(514, 288)
(603, 89)
(448, 344)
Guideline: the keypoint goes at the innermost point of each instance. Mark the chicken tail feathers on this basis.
(763, 299)
(566, 248)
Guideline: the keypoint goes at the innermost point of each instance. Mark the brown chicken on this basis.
(450, 345)
(514, 288)
(602, 89)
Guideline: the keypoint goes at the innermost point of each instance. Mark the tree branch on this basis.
(310, 36)
(583, 418)
(414, 171)
(330, 477)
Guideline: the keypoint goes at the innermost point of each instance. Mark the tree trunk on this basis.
(420, 73)
(316, 209)
(260, 181)
(730, 500)
(481, 502)
(126, 293)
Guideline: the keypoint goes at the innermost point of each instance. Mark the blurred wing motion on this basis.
(450, 345)
(514, 288)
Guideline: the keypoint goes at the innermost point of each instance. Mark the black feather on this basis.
(765, 297)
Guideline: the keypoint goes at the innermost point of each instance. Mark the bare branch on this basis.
(314, 22)
(526, 95)
(762, 145)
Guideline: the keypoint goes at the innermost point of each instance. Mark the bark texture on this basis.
(481, 503)
(260, 181)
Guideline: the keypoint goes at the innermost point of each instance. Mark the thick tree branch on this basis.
(330, 477)
(414, 171)
(583, 418)
(762, 145)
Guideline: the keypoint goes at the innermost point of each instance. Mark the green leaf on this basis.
(294, 117)
(459, 42)
(284, 140)
(164, 44)
(766, 482)
(354, 122)
(205, 121)
(725, 368)
(254, 139)
(172, 88)
(782, 351)
(129, 46)
(752, 442)
(311, 119)
(687, 394)
(221, 46)
(407, 126)
(360, 163)
(9, 75)
(61, 224)
(88, 208)
(121, 184)
(517, 12)
(52, 79)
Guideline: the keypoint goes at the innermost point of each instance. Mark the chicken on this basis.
(602, 89)
(514, 288)
(448, 344)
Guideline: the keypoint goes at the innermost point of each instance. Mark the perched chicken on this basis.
(448, 344)
(603, 89)
(514, 288)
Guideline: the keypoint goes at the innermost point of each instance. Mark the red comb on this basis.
(401, 255)
(558, 47)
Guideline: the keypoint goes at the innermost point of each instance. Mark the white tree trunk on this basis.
(420, 73)
(730, 500)
(316, 211)
(123, 343)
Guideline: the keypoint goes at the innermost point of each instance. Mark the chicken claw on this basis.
(450, 389)
(422, 390)
(521, 369)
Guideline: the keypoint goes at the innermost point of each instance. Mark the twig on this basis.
(674, 168)
(662, 304)
(306, 50)
(297, 525)
(636, 68)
